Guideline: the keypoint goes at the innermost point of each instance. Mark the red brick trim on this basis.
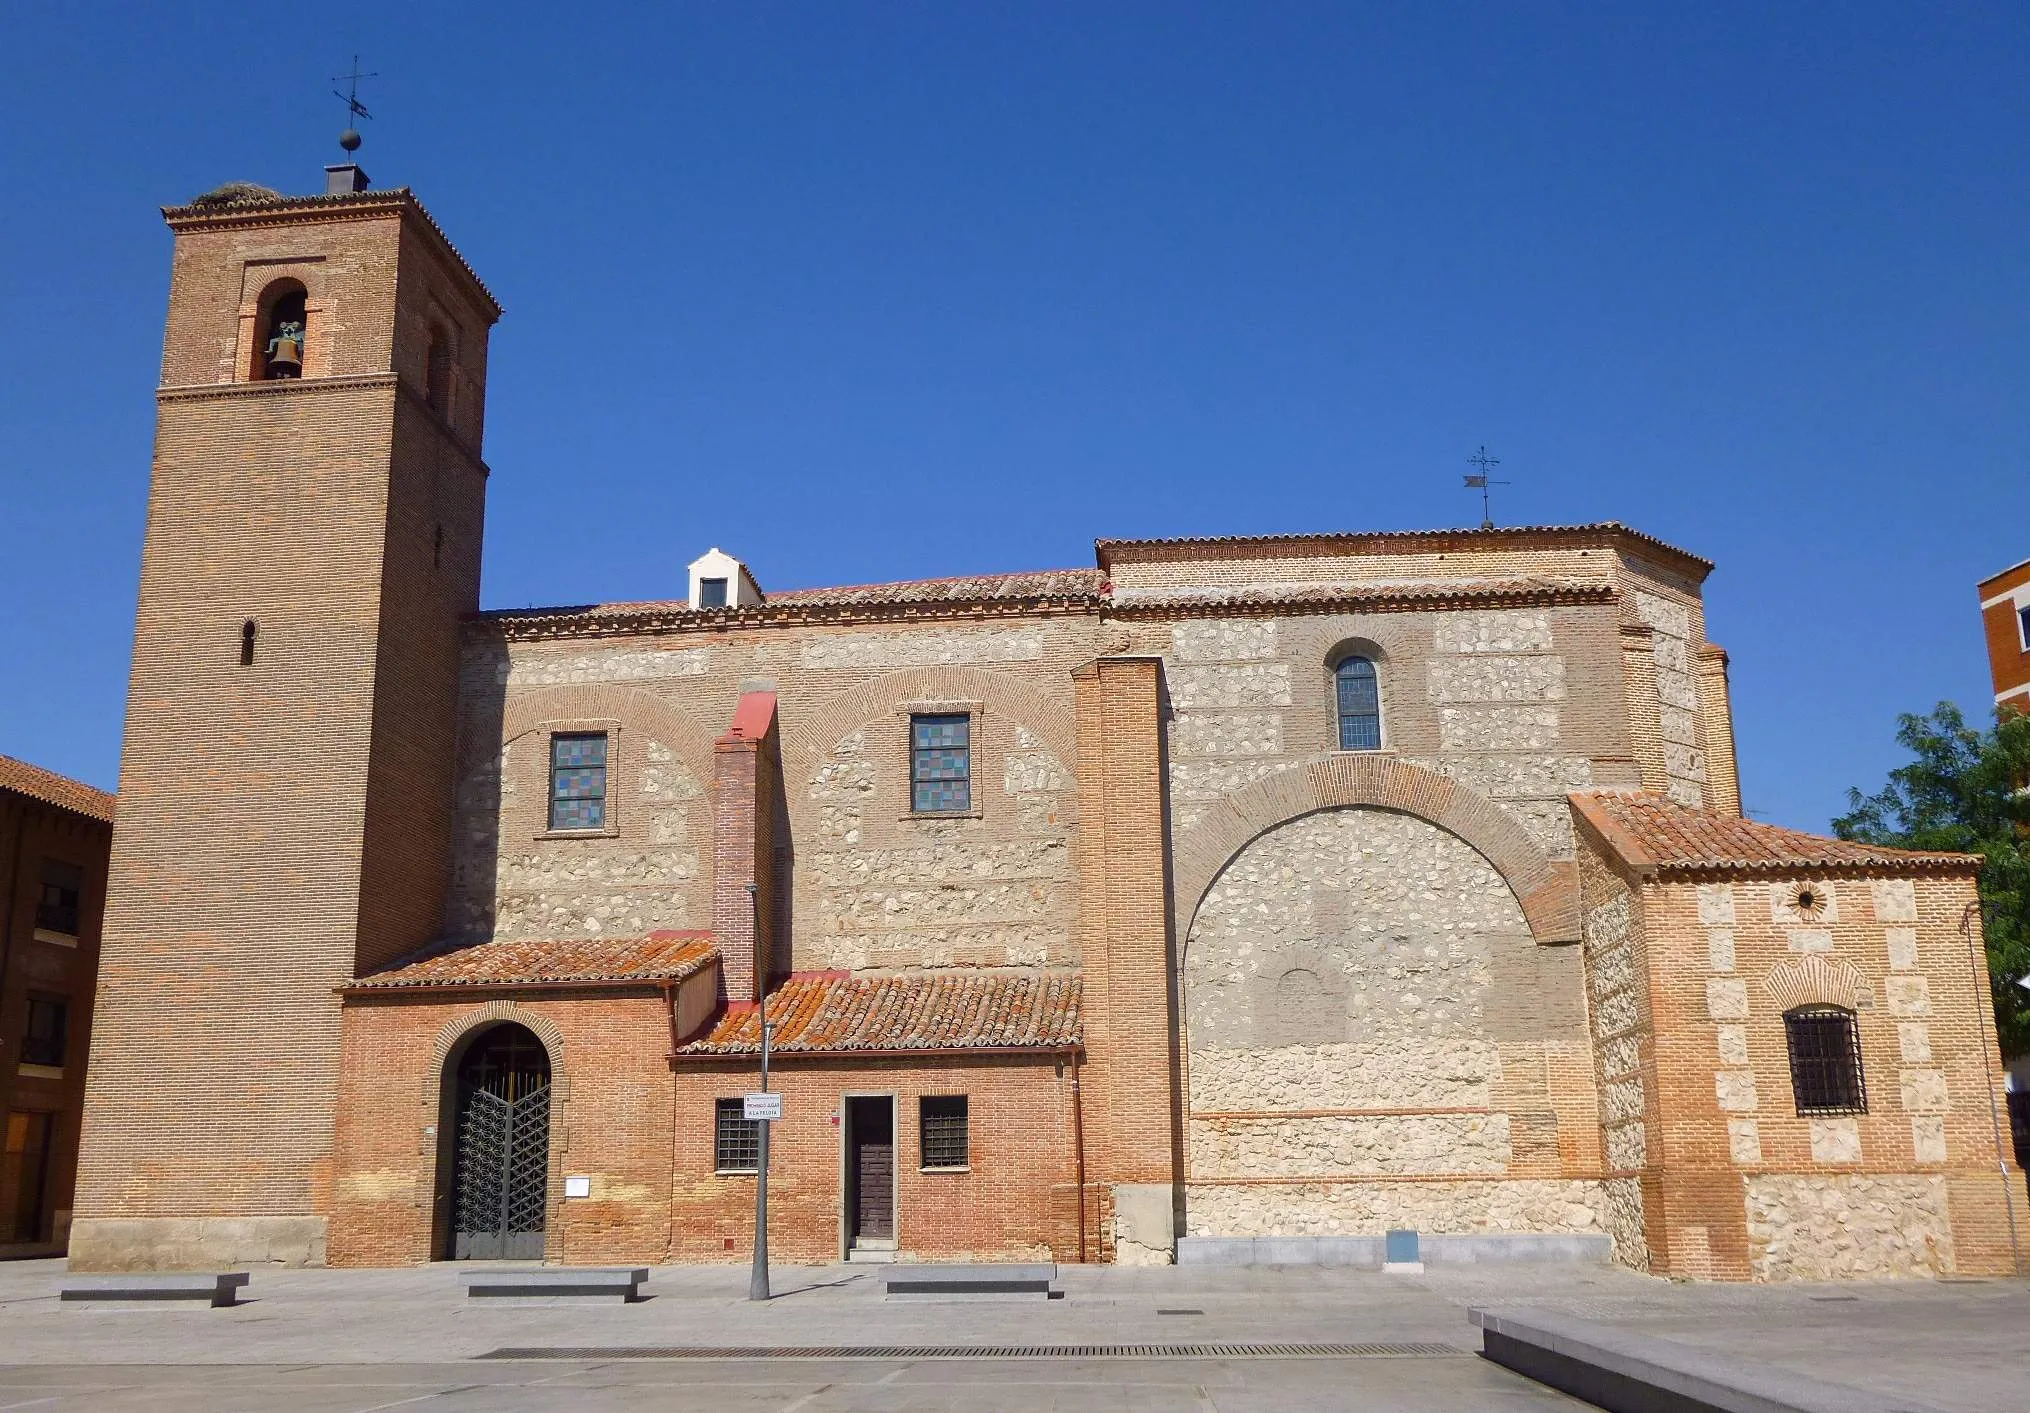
(1546, 889)
(1814, 981)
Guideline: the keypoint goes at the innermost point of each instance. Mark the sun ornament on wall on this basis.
(1807, 901)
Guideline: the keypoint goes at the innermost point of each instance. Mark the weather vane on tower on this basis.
(1479, 482)
(354, 109)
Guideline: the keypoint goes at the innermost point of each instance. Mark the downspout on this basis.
(1978, 963)
(670, 1228)
(1078, 1148)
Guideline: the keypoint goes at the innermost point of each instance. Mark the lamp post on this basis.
(757, 1282)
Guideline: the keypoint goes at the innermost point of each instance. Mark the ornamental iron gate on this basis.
(500, 1185)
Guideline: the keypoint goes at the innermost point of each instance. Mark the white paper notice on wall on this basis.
(577, 1187)
(761, 1106)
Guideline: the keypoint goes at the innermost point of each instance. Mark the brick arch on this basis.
(497, 1013)
(1548, 890)
(1814, 981)
(630, 706)
(808, 739)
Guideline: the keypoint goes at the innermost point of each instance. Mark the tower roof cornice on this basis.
(293, 210)
(1607, 534)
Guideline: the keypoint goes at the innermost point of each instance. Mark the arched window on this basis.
(1358, 694)
(247, 632)
(1825, 1060)
(283, 332)
(437, 373)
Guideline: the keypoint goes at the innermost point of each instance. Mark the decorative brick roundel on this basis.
(1547, 889)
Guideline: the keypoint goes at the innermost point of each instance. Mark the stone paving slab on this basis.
(1954, 1346)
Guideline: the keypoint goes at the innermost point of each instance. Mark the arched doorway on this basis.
(501, 1159)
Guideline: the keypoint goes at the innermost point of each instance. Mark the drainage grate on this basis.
(990, 1351)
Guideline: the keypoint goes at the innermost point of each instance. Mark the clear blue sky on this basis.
(870, 291)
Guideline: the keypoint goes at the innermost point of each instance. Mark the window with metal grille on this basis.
(940, 764)
(946, 1143)
(43, 1042)
(736, 1146)
(437, 374)
(1360, 704)
(57, 908)
(1825, 1060)
(578, 781)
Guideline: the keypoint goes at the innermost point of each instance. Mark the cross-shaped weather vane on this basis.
(1480, 482)
(354, 109)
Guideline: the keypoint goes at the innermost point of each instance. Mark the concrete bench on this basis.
(528, 1283)
(970, 1282)
(1626, 1372)
(214, 1288)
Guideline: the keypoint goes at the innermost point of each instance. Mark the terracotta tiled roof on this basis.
(660, 956)
(1386, 541)
(966, 588)
(1654, 834)
(832, 1011)
(53, 789)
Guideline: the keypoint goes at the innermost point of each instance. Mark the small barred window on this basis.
(1825, 1060)
(940, 764)
(946, 1143)
(578, 781)
(1360, 704)
(736, 1146)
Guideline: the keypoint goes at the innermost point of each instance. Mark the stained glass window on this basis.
(940, 764)
(578, 781)
(1360, 705)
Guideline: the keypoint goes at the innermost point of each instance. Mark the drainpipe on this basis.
(1979, 965)
(670, 1231)
(1078, 1147)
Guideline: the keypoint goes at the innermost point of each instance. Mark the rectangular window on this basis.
(1825, 1061)
(940, 764)
(736, 1146)
(2023, 625)
(578, 781)
(58, 908)
(946, 1143)
(43, 1042)
(711, 593)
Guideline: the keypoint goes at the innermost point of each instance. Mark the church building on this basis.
(1233, 899)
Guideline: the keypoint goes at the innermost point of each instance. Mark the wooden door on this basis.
(873, 1168)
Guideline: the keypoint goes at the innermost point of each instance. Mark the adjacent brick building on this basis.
(2005, 621)
(54, 837)
(1227, 889)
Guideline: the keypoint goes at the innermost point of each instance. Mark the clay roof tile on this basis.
(1652, 832)
(827, 1012)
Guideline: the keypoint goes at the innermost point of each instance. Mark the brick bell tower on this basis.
(286, 784)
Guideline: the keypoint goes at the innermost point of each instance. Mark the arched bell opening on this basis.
(282, 332)
(497, 1179)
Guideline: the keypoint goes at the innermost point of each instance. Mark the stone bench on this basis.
(214, 1288)
(546, 1283)
(1626, 1372)
(1010, 1282)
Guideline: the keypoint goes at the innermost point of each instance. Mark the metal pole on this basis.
(757, 1283)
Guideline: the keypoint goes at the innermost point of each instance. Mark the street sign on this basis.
(761, 1106)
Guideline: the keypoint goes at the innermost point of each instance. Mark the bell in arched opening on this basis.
(284, 351)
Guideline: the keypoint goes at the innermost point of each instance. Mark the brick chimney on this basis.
(747, 773)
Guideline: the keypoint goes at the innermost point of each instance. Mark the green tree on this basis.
(1963, 791)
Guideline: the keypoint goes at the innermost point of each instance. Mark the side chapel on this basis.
(1228, 899)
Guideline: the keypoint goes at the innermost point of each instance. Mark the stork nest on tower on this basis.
(237, 194)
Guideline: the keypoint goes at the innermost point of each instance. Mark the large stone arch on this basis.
(1546, 889)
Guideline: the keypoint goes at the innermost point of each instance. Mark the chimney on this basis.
(344, 179)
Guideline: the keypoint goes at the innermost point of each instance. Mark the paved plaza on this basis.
(311, 1341)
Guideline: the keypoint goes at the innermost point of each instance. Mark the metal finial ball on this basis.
(349, 139)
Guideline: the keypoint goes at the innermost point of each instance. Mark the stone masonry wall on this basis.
(1363, 998)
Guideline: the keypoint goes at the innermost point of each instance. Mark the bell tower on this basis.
(286, 783)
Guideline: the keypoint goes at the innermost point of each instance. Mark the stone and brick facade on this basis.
(54, 837)
(1082, 930)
